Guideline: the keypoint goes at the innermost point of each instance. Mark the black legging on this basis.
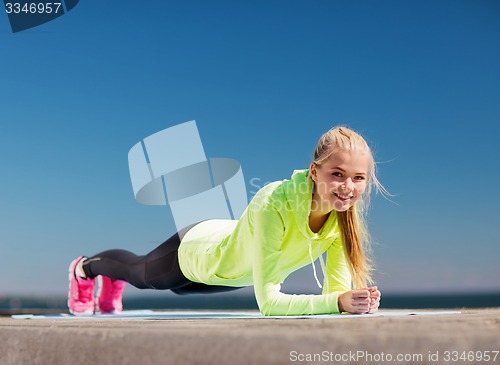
(158, 269)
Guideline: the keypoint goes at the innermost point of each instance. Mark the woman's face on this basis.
(340, 181)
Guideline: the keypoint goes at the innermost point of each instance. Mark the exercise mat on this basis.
(150, 314)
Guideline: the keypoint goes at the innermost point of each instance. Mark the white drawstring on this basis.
(312, 263)
(323, 266)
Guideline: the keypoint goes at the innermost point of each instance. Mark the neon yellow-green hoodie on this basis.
(271, 240)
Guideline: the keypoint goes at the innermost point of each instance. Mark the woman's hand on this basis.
(374, 299)
(360, 301)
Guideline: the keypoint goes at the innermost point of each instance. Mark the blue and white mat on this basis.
(150, 314)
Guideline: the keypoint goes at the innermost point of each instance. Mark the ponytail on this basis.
(356, 245)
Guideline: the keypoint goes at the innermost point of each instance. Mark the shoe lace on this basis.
(85, 290)
(117, 289)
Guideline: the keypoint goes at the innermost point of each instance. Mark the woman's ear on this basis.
(313, 170)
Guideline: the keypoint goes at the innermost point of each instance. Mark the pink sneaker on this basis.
(81, 292)
(109, 295)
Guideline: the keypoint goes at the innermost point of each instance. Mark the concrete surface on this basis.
(464, 338)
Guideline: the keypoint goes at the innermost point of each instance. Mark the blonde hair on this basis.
(352, 222)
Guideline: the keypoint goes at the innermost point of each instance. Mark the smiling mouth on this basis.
(343, 197)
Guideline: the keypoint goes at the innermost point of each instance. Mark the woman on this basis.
(287, 225)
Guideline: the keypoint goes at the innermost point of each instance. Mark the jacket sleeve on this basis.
(338, 276)
(268, 233)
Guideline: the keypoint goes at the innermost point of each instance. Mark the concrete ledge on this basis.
(248, 341)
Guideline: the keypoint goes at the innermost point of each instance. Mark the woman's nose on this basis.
(348, 184)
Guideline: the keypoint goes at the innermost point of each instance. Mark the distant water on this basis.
(11, 304)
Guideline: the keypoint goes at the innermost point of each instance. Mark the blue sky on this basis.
(263, 79)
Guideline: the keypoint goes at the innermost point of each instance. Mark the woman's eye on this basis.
(359, 178)
(337, 174)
